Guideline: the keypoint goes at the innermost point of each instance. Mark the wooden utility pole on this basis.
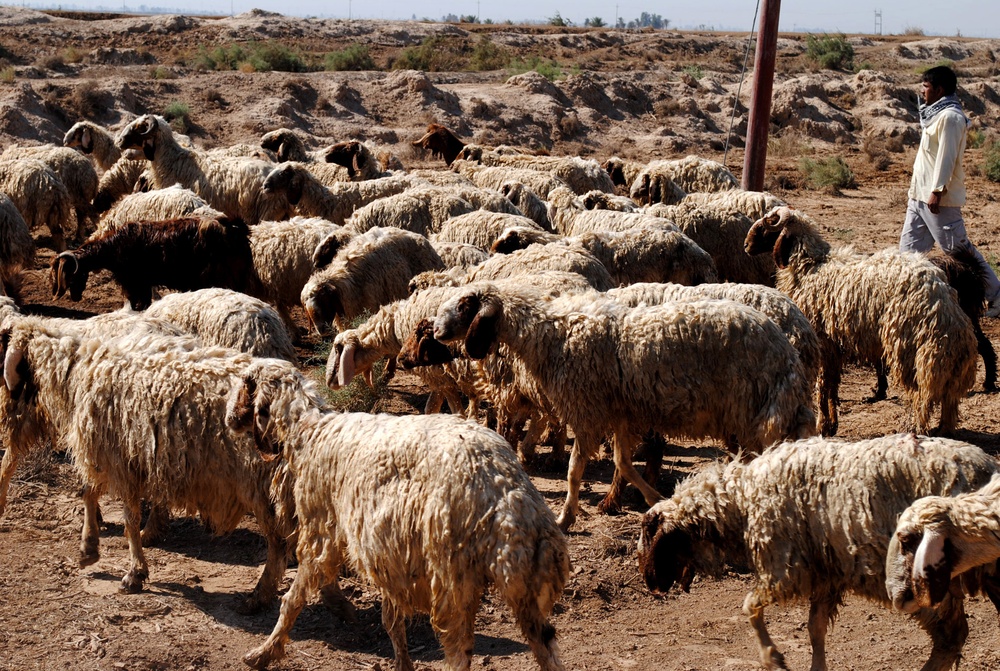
(760, 98)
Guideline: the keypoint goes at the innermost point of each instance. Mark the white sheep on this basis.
(124, 177)
(17, 248)
(40, 197)
(528, 202)
(371, 270)
(570, 217)
(94, 141)
(146, 421)
(582, 175)
(542, 183)
(705, 369)
(421, 209)
(227, 318)
(622, 171)
(431, 510)
(160, 204)
(230, 185)
(480, 228)
(754, 204)
(536, 258)
(459, 254)
(813, 519)
(890, 310)
(937, 539)
(690, 174)
(75, 171)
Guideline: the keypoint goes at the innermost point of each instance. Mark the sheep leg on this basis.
(540, 634)
(266, 588)
(948, 629)
(820, 612)
(138, 568)
(291, 605)
(7, 467)
(91, 536)
(457, 633)
(337, 603)
(556, 437)
(989, 356)
(583, 448)
(881, 388)
(455, 405)
(769, 655)
(434, 402)
(949, 415)
(156, 524)
(623, 445)
(395, 626)
(829, 390)
(528, 444)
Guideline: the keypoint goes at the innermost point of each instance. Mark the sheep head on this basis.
(770, 233)
(282, 142)
(666, 551)
(473, 317)
(144, 134)
(441, 142)
(68, 276)
(513, 239)
(248, 409)
(350, 155)
(422, 349)
(81, 137)
(340, 365)
(286, 178)
(323, 305)
(615, 167)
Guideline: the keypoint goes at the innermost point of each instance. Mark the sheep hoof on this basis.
(774, 659)
(89, 557)
(338, 606)
(566, 520)
(610, 505)
(132, 582)
(251, 605)
(258, 658)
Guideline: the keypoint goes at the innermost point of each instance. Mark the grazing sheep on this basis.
(682, 369)
(243, 150)
(40, 197)
(371, 270)
(754, 204)
(537, 258)
(307, 195)
(158, 205)
(94, 141)
(891, 310)
(480, 228)
(181, 254)
(124, 177)
(111, 403)
(661, 181)
(582, 175)
(622, 171)
(528, 203)
(486, 177)
(230, 185)
(459, 254)
(227, 318)
(939, 538)
(76, 173)
(421, 210)
(521, 237)
(288, 146)
(441, 142)
(432, 510)
(601, 200)
(17, 249)
(569, 217)
(813, 519)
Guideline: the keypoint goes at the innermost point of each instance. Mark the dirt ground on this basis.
(640, 95)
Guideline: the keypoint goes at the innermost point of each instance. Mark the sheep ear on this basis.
(326, 251)
(15, 370)
(667, 558)
(655, 191)
(360, 158)
(932, 565)
(782, 249)
(239, 409)
(345, 371)
(61, 274)
(86, 141)
(482, 331)
(294, 190)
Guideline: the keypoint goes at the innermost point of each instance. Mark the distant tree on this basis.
(620, 24)
(557, 20)
(468, 18)
(488, 22)
(596, 22)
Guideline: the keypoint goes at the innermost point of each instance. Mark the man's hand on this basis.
(934, 203)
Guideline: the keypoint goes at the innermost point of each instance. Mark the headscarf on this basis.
(929, 112)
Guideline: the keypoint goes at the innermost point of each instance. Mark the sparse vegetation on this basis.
(162, 72)
(595, 22)
(786, 145)
(71, 55)
(488, 56)
(829, 173)
(991, 163)
(694, 71)
(354, 57)
(558, 20)
(252, 57)
(975, 139)
(435, 54)
(7, 75)
(178, 114)
(548, 68)
(832, 52)
(914, 31)
(50, 62)
(87, 99)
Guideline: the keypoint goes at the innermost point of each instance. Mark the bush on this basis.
(253, 57)
(354, 57)
(488, 56)
(178, 114)
(975, 139)
(991, 166)
(7, 75)
(162, 72)
(71, 55)
(693, 71)
(50, 62)
(548, 68)
(832, 52)
(831, 173)
(434, 54)
(87, 99)
(914, 31)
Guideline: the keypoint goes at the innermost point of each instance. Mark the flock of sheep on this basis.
(531, 296)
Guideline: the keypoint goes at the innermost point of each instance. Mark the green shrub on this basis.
(7, 75)
(832, 173)
(914, 31)
(991, 166)
(975, 139)
(252, 57)
(693, 71)
(832, 52)
(178, 114)
(488, 56)
(162, 72)
(435, 54)
(548, 68)
(71, 55)
(354, 57)
(88, 99)
(357, 396)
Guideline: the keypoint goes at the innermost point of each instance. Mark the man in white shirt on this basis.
(937, 189)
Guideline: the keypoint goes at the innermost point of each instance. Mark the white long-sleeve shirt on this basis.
(938, 166)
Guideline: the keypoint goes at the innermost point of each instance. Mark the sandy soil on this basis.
(634, 95)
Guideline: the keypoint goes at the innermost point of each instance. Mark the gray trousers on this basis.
(922, 228)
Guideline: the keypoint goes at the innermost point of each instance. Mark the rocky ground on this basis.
(640, 95)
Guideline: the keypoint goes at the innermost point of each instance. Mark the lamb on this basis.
(937, 539)
(480, 228)
(182, 254)
(441, 142)
(541, 183)
(232, 186)
(166, 396)
(701, 389)
(40, 197)
(814, 519)
(569, 217)
(309, 196)
(459, 254)
(421, 210)
(158, 205)
(390, 497)
(73, 170)
(229, 319)
(17, 249)
(371, 270)
(691, 174)
(890, 310)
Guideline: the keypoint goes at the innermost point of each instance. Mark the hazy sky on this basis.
(971, 18)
